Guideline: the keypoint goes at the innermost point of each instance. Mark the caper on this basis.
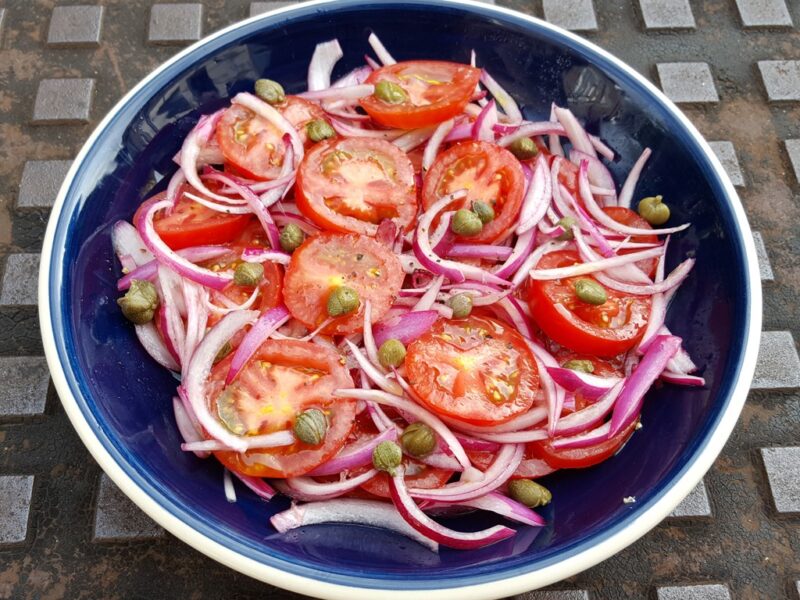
(390, 92)
(392, 353)
(584, 366)
(589, 291)
(461, 305)
(342, 300)
(223, 352)
(466, 223)
(523, 148)
(310, 426)
(249, 274)
(270, 91)
(387, 457)
(529, 493)
(291, 237)
(566, 224)
(418, 439)
(140, 302)
(484, 211)
(653, 210)
(319, 130)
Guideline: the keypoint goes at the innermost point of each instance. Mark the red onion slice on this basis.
(126, 242)
(373, 372)
(258, 486)
(462, 131)
(502, 505)
(277, 439)
(325, 57)
(263, 328)
(626, 193)
(151, 341)
(349, 510)
(355, 455)
(186, 427)
(675, 278)
(479, 251)
(264, 110)
(433, 145)
(482, 128)
(575, 131)
(531, 130)
(590, 386)
(421, 522)
(380, 50)
(537, 198)
(682, 379)
(348, 130)
(594, 266)
(427, 299)
(644, 375)
(260, 255)
(411, 139)
(585, 439)
(149, 270)
(306, 489)
(590, 416)
(598, 174)
(405, 327)
(355, 77)
(192, 146)
(503, 98)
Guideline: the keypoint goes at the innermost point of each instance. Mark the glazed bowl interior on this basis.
(123, 397)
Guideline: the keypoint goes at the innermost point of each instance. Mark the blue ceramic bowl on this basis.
(119, 400)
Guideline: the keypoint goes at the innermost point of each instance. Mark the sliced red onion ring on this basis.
(595, 266)
(354, 455)
(415, 517)
(287, 218)
(482, 128)
(554, 141)
(380, 50)
(626, 193)
(349, 510)
(525, 421)
(373, 372)
(127, 242)
(427, 299)
(195, 298)
(369, 340)
(586, 223)
(191, 149)
(462, 131)
(503, 98)
(153, 344)
(306, 489)
(355, 77)
(411, 139)
(644, 375)
(585, 439)
(325, 57)
(231, 306)
(150, 269)
(537, 198)
(601, 148)
(348, 130)
(553, 393)
(266, 324)
(474, 444)
(590, 416)
(682, 379)
(533, 259)
(532, 468)
(433, 145)
(590, 386)
(258, 486)
(516, 437)
(480, 251)
(575, 131)
(629, 272)
(412, 408)
(531, 130)
(502, 505)
(675, 278)
(405, 327)
(261, 255)
(186, 427)
(172, 306)
(599, 175)
(277, 439)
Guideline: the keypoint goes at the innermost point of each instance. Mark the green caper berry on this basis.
(566, 223)
(319, 130)
(461, 305)
(484, 211)
(466, 223)
(311, 426)
(291, 238)
(387, 457)
(591, 292)
(390, 92)
(140, 302)
(529, 493)
(342, 300)
(418, 439)
(392, 353)
(523, 148)
(584, 366)
(270, 91)
(249, 274)
(223, 352)
(653, 210)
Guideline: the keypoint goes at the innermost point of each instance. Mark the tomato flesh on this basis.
(476, 370)
(329, 260)
(606, 330)
(281, 380)
(631, 218)
(351, 185)
(489, 173)
(435, 91)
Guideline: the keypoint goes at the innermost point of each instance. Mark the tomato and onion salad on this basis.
(391, 288)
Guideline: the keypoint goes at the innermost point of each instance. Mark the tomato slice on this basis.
(631, 218)
(436, 91)
(284, 378)
(189, 223)
(417, 475)
(606, 330)
(351, 185)
(252, 145)
(476, 370)
(329, 260)
(488, 173)
(579, 458)
(602, 368)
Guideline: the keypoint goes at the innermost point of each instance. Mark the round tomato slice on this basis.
(631, 218)
(579, 458)
(476, 370)
(435, 91)
(489, 173)
(351, 185)
(189, 223)
(253, 146)
(330, 260)
(281, 380)
(606, 330)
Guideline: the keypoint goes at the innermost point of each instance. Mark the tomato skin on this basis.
(264, 399)
(582, 332)
(580, 458)
(355, 194)
(631, 218)
(428, 103)
(192, 224)
(489, 173)
(475, 370)
(329, 260)
(252, 146)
